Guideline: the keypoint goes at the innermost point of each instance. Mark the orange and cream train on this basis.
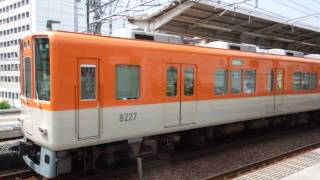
(86, 96)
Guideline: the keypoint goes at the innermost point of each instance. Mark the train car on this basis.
(87, 96)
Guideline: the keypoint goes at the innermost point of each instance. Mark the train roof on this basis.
(101, 39)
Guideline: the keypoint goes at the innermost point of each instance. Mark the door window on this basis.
(88, 82)
(279, 80)
(188, 81)
(270, 80)
(171, 88)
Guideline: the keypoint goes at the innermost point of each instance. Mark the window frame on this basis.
(316, 81)
(25, 78)
(300, 80)
(139, 81)
(255, 80)
(226, 81)
(34, 71)
(96, 88)
(176, 80)
(241, 81)
(184, 81)
(307, 82)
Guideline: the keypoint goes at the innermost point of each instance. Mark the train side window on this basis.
(127, 81)
(188, 81)
(236, 81)
(171, 88)
(297, 80)
(249, 81)
(313, 81)
(88, 82)
(305, 81)
(270, 80)
(221, 81)
(27, 76)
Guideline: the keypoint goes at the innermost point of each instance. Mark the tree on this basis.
(4, 105)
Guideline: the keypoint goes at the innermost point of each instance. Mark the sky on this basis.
(287, 9)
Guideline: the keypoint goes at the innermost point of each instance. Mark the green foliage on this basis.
(4, 105)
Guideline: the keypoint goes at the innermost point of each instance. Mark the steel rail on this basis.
(22, 174)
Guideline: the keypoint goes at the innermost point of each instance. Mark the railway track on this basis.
(129, 172)
(20, 174)
(233, 173)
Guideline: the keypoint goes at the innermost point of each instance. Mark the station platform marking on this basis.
(305, 166)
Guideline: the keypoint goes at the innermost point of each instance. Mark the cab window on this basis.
(42, 69)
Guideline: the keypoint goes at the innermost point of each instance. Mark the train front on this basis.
(35, 61)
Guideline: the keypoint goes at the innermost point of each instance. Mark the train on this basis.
(85, 97)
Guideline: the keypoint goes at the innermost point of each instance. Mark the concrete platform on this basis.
(10, 127)
(309, 173)
(305, 166)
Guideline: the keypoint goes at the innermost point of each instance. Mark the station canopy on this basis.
(214, 20)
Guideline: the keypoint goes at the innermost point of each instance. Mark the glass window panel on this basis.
(305, 81)
(42, 69)
(127, 81)
(314, 81)
(88, 82)
(236, 80)
(279, 80)
(27, 76)
(171, 81)
(188, 81)
(270, 80)
(249, 81)
(221, 81)
(297, 80)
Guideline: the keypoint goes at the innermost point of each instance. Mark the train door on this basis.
(180, 102)
(278, 89)
(88, 106)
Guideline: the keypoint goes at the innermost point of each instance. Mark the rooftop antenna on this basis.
(50, 22)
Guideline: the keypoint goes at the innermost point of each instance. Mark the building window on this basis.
(127, 81)
(171, 87)
(249, 81)
(236, 80)
(221, 81)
